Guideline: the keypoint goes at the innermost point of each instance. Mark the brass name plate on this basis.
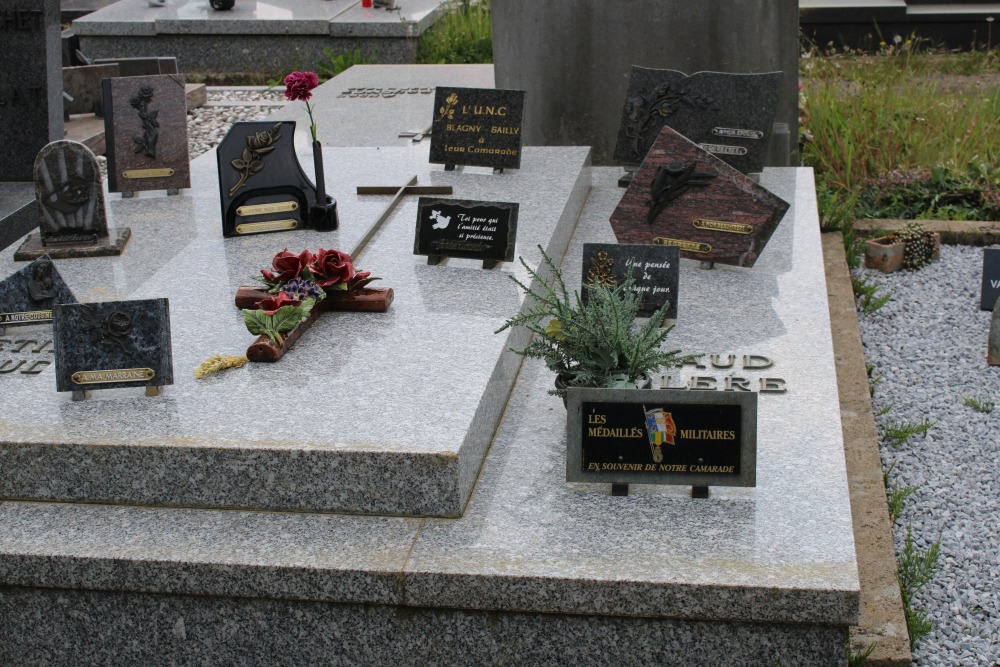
(722, 149)
(689, 246)
(269, 226)
(117, 375)
(259, 209)
(735, 132)
(723, 226)
(30, 316)
(148, 173)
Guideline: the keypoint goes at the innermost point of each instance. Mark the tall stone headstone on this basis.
(573, 59)
(30, 83)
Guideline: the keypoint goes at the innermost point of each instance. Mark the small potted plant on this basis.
(911, 248)
(592, 342)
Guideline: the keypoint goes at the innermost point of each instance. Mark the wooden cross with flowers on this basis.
(298, 289)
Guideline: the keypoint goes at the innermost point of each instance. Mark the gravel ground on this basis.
(207, 125)
(929, 345)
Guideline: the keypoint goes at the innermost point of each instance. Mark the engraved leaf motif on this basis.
(256, 166)
(247, 155)
(266, 150)
(239, 164)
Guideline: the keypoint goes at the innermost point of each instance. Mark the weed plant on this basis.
(335, 63)
(916, 569)
(979, 404)
(899, 433)
(866, 291)
(462, 36)
(896, 495)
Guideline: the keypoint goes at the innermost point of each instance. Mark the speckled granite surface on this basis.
(254, 36)
(369, 413)
(536, 571)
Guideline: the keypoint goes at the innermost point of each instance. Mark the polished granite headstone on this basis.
(990, 289)
(83, 84)
(28, 296)
(70, 195)
(477, 127)
(145, 121)
(262, 186)
(31, 109)
(654, 270)
(729, 115)
(18, 212)
(684, 196)
(113, 345)
(462, 228)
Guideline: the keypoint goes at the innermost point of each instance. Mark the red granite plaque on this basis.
(683, 195)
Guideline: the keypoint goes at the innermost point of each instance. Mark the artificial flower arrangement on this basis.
(298, 88)
(296, 290)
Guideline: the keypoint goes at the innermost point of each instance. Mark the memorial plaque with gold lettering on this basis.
(477, 127)
(262, 186)
(686, 197)
(113, 344)
(28, 296)
(145, 127)
(729, 115)
(630, 436)
(654, 270)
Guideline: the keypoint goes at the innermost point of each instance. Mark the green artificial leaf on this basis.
(258, 322)
(287, 318)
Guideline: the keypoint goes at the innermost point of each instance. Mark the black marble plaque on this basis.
(145, 128)
(262, 186)
(685, 196)
(470, 229)
(654, 270)
(729, 115)
(991, 278)
(477, 127)
(112, 345)
(29, 296)
(662, 437)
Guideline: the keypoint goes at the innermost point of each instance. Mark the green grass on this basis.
(904, 133)
(462, 35)
(335, 63)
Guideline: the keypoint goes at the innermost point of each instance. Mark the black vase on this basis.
(323, 214)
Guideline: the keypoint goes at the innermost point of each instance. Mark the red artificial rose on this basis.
(331, 267)
(299, 84)
(272, 304)
(287, 265)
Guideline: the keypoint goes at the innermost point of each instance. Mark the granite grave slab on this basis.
(382, 105)
(683, 195)
(654, 270)
(538, 570)
(392, 451)
(28, 296)
(113, 345)
(729, 115)
(83, 84)
(18, 213)
(70, 193)
(146, 133)
(279, 35)
(31, 108)
(477, 127)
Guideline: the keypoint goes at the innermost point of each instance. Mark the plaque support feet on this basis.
(619, 489)
(699, 492)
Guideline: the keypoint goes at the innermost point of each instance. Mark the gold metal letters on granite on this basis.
(274, 207)
(269, 226)
(116, 375)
